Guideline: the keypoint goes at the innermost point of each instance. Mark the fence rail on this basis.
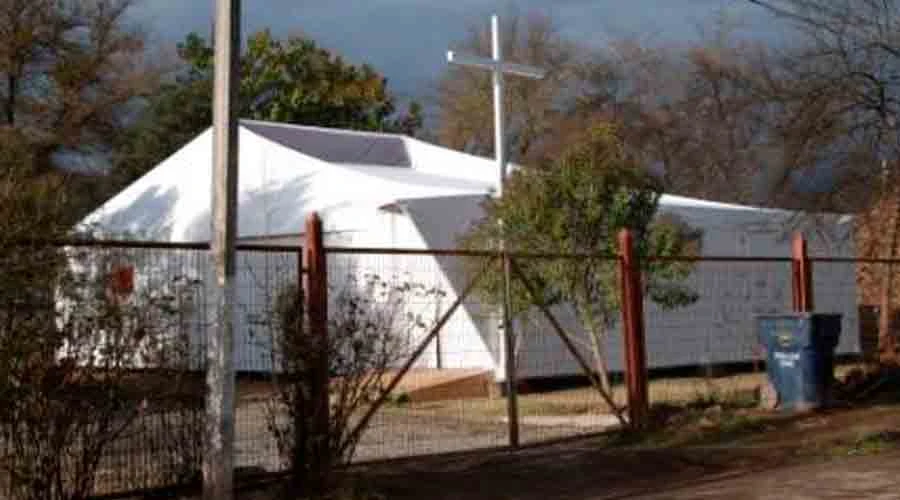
(154, 245)
(456, 252)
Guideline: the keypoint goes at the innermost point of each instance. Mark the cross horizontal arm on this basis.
(467, 60)
(523, 70)
(490, 64)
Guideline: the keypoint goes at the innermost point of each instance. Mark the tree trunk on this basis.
(597, 331)
(12, 89)
(599, 349)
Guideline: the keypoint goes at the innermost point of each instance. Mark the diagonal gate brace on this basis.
(417, 353)
(570, 346)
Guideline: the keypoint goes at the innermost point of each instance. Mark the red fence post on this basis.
(317, 309)
(633, 330)
(801, 274)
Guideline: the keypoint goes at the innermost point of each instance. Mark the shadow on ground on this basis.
(573, 470)
(690, 460)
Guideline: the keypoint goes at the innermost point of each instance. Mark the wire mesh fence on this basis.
(836, 283)
(703, 350)
(876, 283)
(709, 349)
(442, 403)
(416, 350)
(103, 353)
(558, 343)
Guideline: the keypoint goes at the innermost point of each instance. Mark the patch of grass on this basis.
(630, 439)
(871, 443)
(710, 418)
(401, 399)
(736, 391)
(565, 403)
(733, 427)
(734, 399)
(553, 406)
(354, 492)
(351, 489)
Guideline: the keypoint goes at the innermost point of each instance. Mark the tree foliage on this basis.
(692, 114)
(70, 69)
(291, 81)
(841, 82)
(68, 349)
(578, 205)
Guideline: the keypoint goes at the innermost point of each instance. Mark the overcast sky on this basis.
(407, 39)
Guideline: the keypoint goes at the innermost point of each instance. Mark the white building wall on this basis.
(719, 328)
(464, 339)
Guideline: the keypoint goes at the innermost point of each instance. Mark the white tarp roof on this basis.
(279, 184)
(288, 171)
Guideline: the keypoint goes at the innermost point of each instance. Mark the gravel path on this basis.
(134, 461)
(396, 433)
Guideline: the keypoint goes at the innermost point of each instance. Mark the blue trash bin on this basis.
(800, 356)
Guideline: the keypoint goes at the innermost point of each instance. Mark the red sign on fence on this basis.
(121, 282)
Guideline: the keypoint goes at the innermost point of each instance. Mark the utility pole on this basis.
(218, 468)
(498, 68)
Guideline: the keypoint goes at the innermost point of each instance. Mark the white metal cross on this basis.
(498, 67)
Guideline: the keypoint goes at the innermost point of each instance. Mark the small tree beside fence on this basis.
(69, 343)
(331, 368)
(83, 363)
(574, 209)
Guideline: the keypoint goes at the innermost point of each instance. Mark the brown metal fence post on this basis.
(509, 339)
(802, 275)
(633, 330)
(317, 308)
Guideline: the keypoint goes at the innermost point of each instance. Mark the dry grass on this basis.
(585, 400)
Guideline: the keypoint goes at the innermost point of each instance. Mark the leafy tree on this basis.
(69, 70)
(371, 322)
(841, 90)
(533, 106)
(63, 342)
(292, 81)
(579, 204)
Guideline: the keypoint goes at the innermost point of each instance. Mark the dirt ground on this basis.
(850, 478)
(582, 472)
(708, 452)
(710, 442)
(839, 454)
(585, 474)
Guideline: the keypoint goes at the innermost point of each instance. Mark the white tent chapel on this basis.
(391, 191)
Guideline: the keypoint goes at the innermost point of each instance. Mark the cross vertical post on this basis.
(498, 68)
(499, 115)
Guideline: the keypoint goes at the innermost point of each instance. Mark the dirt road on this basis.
(581, 472)
(851, 478)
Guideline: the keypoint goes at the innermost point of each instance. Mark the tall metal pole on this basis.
(498, 67)
(218, 458)
(512, 408)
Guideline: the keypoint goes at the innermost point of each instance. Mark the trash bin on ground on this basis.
(800, 357)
